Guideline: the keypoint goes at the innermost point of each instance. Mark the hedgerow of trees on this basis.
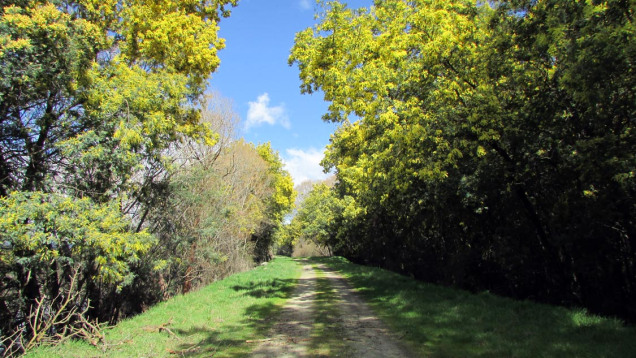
(486, 145)
(120, 183)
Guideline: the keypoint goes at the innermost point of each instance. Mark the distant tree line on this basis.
(121, 184)
(484, 145)
(308, 231)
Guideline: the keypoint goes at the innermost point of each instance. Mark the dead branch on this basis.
(50, 325)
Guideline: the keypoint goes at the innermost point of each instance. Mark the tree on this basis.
(317, 218)
(47, 240)
(93, 96)
(81, 80)
(489, 153)
(280, 202)
(216, 215)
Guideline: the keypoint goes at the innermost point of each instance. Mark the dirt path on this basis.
(364, 334)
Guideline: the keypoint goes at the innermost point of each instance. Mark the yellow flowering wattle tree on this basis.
(93, 96)
(485, 144)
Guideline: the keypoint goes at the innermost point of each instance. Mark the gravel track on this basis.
(366, 336)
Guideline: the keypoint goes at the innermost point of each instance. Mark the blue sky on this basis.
(265, 90)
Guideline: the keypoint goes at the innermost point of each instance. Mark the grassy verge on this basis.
(214, 321)
(327, 332)
(442, 322)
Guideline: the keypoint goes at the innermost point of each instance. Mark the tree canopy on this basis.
(486, 145)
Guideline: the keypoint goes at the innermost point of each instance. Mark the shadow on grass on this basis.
(206, 347)
(268, 293)
(444, 322)
(267, 289)
(259, 319)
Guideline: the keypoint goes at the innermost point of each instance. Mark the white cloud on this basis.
(260, 112)
(305, 4)
(304, 164)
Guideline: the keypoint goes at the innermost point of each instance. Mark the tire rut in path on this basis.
(364, 333)
(369, 337)
(290, 336)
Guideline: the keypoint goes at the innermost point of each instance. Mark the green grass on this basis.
(442, 322)
(216, 320)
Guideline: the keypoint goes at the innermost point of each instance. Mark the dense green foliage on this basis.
(219, 320)
(444, 322)
(493, 146)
